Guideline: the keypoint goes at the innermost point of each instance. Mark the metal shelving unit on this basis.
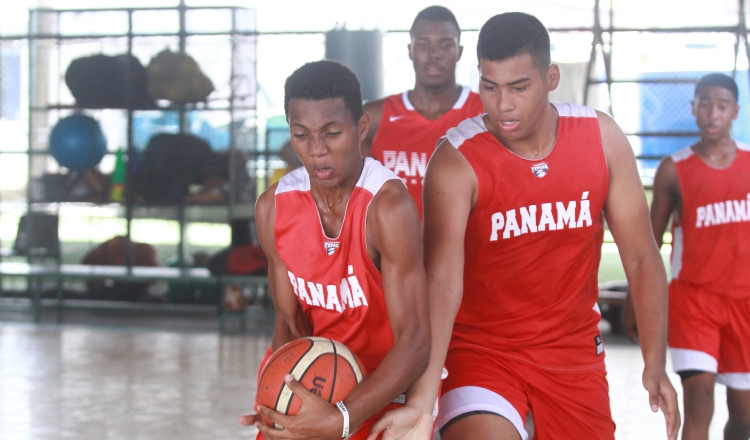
(223, 42)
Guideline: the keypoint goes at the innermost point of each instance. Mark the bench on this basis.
(36, 273)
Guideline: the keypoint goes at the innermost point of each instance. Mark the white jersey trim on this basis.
(736, 381)
(407, 103)
(467, 129)
(683, 154)
(742, 146)
(684, 359)
(467, 399)
(676, 263)
(465, 91)
(462, 98)
(373, 176)
(568, 110)
(297, 180)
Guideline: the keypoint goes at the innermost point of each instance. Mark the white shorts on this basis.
(464, 400)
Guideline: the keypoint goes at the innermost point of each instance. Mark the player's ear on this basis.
(363, 126)
(736, 112)
(553, 77)
(692, 107)
(408, 48)
(460, 52)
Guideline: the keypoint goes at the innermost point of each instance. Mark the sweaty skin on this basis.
(327, 141)
(515, 94)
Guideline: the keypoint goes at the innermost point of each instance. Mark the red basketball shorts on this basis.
(566, 405)
(710, 332)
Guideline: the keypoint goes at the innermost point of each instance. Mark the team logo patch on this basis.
(540, 169)
(331, 247)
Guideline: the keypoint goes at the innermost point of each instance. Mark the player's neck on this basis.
(538, 143)
(332, 201)
(717, 153)
(433, 102)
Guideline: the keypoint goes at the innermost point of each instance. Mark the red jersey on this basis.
(532, 246)
(406, 140)
(336, 282)
(711, 236)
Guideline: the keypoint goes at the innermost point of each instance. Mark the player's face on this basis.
(515, 94)
(434, 52)
(326, 139)
(714, 109)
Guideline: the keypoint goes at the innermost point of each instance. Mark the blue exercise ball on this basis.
(77, 142)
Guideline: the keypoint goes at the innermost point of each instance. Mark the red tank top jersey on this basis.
(406, 140)
(711, 240)
(532, 246)
(336, 282)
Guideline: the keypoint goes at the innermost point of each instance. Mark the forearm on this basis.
(648, 291)
(443, 309)
(403, 364)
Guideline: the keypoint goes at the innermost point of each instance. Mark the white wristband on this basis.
(345, 413)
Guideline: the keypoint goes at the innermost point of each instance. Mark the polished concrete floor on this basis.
(120, 375)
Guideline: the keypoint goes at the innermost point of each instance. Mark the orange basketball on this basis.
(325, 367)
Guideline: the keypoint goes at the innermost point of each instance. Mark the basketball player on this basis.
(515, 202)
(338, 268)
(404, 128)
(705, 188)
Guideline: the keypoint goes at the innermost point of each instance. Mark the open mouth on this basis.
(323, 172)
(508, 124)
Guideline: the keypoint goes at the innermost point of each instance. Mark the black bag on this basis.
(102, 81)
(173, 162)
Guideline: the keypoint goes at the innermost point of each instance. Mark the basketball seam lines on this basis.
(335, 369)
(281, 391)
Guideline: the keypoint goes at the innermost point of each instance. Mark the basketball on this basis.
(77, 142)
(325, 367)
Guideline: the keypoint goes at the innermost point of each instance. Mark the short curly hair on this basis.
(325, 79)
(435, 13)
(512, 34)
(718, 80)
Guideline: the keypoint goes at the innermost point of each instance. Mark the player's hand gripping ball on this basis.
(325, 367)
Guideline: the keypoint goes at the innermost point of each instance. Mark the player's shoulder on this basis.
(465, 130)
(265, 206)
(569, 110)
(680, 155)
(374, 176)
(296, 180)
(393, 204)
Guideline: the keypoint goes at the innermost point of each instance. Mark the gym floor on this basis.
(122, 375)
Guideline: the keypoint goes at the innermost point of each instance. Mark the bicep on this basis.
(401, 261)
(664, 198)
(291, 323)
(625, 209)
(449, 193)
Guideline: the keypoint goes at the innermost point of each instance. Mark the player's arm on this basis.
(395, 233)
(291, 322)
(627, 215)
(449, 195)
(375, 110)
(666, 197)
